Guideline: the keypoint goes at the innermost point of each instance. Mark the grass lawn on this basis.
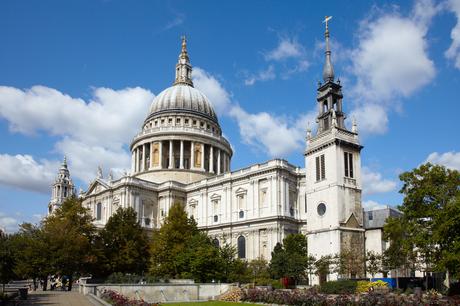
(212, 303)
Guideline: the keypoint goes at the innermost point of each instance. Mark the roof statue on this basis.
(99, 172)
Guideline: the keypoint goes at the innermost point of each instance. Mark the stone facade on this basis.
(181, 156)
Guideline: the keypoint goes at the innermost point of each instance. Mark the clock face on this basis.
(321, 209)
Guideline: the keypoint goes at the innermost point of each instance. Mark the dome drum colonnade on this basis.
(182, 132)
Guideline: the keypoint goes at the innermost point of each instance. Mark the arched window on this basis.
(98, 211)
(216, 242)
(241, 247)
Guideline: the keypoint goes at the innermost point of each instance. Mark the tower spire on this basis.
(328, 71)
(183, 66)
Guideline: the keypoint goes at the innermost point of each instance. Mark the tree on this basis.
(170, 241)
(447, 234)
(233, 269)
(349, 263)
(69, 235)
(323, 267)
(258, 268)
(430, 205)
(277, 264)
(373, 263)
(290, 259)
(32, 253)
(7, 260)
(201, 259)
(124, 244)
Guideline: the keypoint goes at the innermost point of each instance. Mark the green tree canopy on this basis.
(124, 244)
(69, 235)
(170, 242)
(291, 258)
(32, 253)
(426, 236)
(7, 259)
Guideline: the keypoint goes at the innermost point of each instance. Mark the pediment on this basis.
(241, 191)
(96, 187)
(215, 196)
(352, 222)
(193, 202)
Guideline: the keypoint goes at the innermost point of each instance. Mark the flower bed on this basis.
(117, 299)
(312, 298)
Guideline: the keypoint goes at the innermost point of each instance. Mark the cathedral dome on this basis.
(182, 98)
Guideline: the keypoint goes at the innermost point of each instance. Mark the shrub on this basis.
(454, 289)
(339, 287)
(365, 286)
(276, 284)
(117, 299)
(311, 298)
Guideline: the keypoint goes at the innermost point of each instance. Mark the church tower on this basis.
(333, 175)
(62, 188)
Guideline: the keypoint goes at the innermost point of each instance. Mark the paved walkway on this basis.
(54, 298)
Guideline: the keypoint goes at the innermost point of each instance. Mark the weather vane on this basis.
(326, 20)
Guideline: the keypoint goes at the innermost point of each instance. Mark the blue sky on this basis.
(77, 78)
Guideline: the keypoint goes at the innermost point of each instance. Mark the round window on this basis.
(321, 209)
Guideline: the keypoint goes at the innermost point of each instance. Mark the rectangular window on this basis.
(370, 216)
(348, 162)
(320, 168)
(323, 168)
(345, 160)
(98, 211)
(318, 174)
(305, 203)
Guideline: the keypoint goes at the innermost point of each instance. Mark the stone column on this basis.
(225, 162)
(211, 159)
(137, 159)
(133, 161)
(192, 155)
(151, 155)
(181, 162)
(143, 158)
(218, 161)
(161, 155)
(171, 162)
(202, 156)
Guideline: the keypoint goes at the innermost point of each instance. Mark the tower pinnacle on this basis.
(183, 66)
(328, 71)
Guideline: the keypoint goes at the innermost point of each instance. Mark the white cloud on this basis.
(453, 53)
(449, 159)
(264, 75)
(7, 223)
(110, 117)
(373, 182)
(372, 205)
(85, 158)
(371, 119)
(287, 48)
(178, 19)
(287, 58)
(212, 88)
(276, 135)
(91, 133)
(272, 134)
(391, 61)
(22, 171)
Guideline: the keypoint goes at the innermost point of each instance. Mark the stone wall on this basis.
(161, 292)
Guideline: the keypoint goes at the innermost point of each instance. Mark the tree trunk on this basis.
(45, 283)
(70, 283)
